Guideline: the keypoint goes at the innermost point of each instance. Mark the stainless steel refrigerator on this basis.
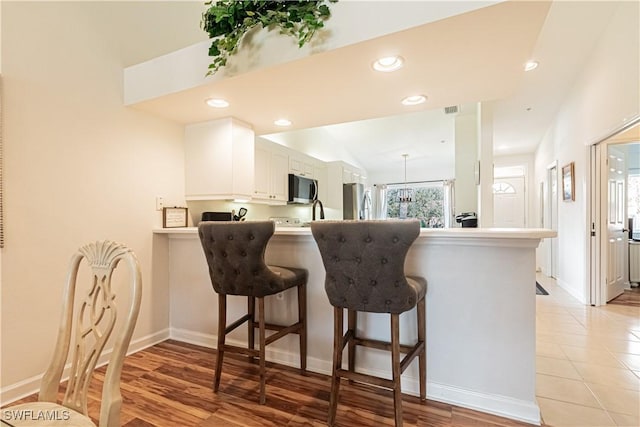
(356, 202)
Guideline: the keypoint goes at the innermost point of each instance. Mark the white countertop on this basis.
(481, 233)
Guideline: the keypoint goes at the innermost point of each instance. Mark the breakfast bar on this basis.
(480, 310)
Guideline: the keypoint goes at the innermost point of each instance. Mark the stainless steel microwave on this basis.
(302, 190)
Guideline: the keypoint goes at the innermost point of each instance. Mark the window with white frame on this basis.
(428, 203)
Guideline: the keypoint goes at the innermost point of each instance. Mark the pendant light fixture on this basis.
(405, 195)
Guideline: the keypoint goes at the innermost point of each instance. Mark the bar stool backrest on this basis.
(235, 256)
(364, 263)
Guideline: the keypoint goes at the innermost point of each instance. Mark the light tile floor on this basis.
(587, 361)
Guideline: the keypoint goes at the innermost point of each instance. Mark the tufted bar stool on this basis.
(235, 255)
(364, 264)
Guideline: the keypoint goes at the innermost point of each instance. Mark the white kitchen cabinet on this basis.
(262, 172)
(349, 175)
(219, 160)
(352, 174)
(320, 173)
(299, 165)
(271, 175)
(339, 173)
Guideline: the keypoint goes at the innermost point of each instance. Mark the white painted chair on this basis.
(91, 325)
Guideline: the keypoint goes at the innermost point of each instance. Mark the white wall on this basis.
(603, 97)
(417, 170)
(466, 190)
(79, 167)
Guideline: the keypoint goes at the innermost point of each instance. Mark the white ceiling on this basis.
(476, 56)
(379, 144)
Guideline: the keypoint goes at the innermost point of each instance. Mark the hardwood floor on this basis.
(170, 384)
(630, 297)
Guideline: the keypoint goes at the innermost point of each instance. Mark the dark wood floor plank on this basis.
(468, 417)
(170, 384)
(630, 297)
(253, 414)
(136, 422)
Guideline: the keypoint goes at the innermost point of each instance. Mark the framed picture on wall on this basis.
(174, 217)
(568, 183)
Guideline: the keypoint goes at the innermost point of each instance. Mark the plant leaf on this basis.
(227, 21)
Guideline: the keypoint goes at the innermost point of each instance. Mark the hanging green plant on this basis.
(226, 21)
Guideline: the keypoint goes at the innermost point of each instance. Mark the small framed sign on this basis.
(174, 217)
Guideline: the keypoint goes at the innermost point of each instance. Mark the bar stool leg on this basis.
(352, 325)
(302, 318)
(222, 326)
(422, 358)
(251, 310)
(338, 325)
(262, 339)
(395, 368)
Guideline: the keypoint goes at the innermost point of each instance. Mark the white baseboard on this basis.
(502, 406)
(493, 404)
(28, 386)
(273, 355)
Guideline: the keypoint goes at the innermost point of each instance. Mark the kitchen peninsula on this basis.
(480, 311)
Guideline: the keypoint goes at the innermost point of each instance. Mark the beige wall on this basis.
(79, 167)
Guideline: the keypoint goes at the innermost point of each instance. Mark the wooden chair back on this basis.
(90, 326)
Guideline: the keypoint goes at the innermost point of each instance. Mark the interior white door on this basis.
(509, 202)
(616, 274)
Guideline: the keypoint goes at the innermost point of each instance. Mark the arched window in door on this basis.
(503, 188)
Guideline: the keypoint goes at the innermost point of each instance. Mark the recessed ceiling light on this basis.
(217, 103)
(414, 100)
(388, 63)
(531, 65)
(282, 122)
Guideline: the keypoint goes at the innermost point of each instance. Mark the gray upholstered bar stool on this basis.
(235, 254)
(364, 263)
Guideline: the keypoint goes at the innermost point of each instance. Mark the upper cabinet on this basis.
(299, 164)
(339, 173)
(225, 161)
(271, 169)
(219, 160)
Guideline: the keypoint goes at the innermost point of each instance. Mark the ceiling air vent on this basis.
(451, 110)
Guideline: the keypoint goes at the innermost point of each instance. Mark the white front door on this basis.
(616, 273)
(509, 202)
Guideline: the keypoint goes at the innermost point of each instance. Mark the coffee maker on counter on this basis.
(225, 216)
(467, 219)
